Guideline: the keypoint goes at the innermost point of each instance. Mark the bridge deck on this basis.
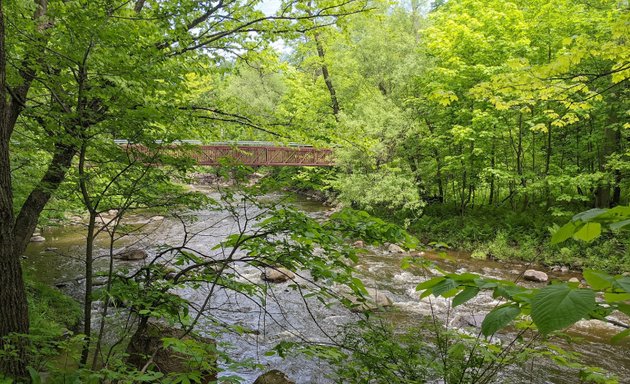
(253, 155)
(264, 155)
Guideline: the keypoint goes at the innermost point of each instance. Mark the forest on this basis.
(471, 226)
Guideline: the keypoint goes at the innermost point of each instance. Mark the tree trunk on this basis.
(87, 305)
(89, 253)
(492, 166)
(326, 73)
(13, 304)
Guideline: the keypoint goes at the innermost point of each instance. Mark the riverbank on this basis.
(286, 315)
(504, 235)
(487, 232)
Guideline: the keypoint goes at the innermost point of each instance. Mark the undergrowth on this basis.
(506, 235)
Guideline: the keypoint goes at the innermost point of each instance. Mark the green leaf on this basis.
(621, 335)
(588, 232)
(624, 308)
(465, 295)
(34, 375)
(620, 224)
(616, 297)
(498, 318)
(559, 306)
(429, 283)
(443, 287)
(588, 215)
(623, 283)
(598, 280)
(564, 233)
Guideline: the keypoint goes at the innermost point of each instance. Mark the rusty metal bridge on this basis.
(248, 153)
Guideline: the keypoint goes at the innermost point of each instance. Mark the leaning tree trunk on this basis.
(13, 305)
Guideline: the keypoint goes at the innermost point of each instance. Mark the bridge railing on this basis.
(252, 154)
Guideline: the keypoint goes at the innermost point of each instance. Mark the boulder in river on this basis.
(277, 275)
(574, 280)
(468, 320)
(273, 377)
(148, 344)
(132, 254)
(37, 239)
(534, 275)
(393, 248)
(375, 299)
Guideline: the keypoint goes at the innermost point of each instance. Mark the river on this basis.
(287, 316)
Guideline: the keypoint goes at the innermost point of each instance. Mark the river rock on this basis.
(99, 281)
(157, 218)
(76, 219)
(358, 244)
(376, 299)
(277, 275)
(393, 248)
(51, 249)
(148, 343)
(534, 275)
(468, 320)
(132, 254)
(37, 239)
(273, 377)
(574, 280)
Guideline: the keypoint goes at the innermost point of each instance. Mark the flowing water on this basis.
(287, 316)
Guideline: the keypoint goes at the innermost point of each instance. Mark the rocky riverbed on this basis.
(287, 316)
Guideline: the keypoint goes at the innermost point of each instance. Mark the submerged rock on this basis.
(37, 239)
(273, 377)
(132, 254)
(393, 248)
(358, 244)
(277, 275)
(468, 320)
(375, 299)
(534, 275)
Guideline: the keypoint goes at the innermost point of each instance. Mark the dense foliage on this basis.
(479, 124)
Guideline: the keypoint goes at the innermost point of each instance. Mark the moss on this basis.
(51, 312)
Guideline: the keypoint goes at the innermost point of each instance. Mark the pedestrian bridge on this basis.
(252, 153)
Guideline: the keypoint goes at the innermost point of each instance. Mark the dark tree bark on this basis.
(329, 84)
(15, 232)
(13, 305)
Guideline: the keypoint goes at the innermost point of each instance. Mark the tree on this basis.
(71, 71)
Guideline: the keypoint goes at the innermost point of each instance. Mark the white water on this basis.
(287, 316)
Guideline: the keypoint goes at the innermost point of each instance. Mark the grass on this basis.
(503, 234)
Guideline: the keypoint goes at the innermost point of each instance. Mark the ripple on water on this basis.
(284, 315)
